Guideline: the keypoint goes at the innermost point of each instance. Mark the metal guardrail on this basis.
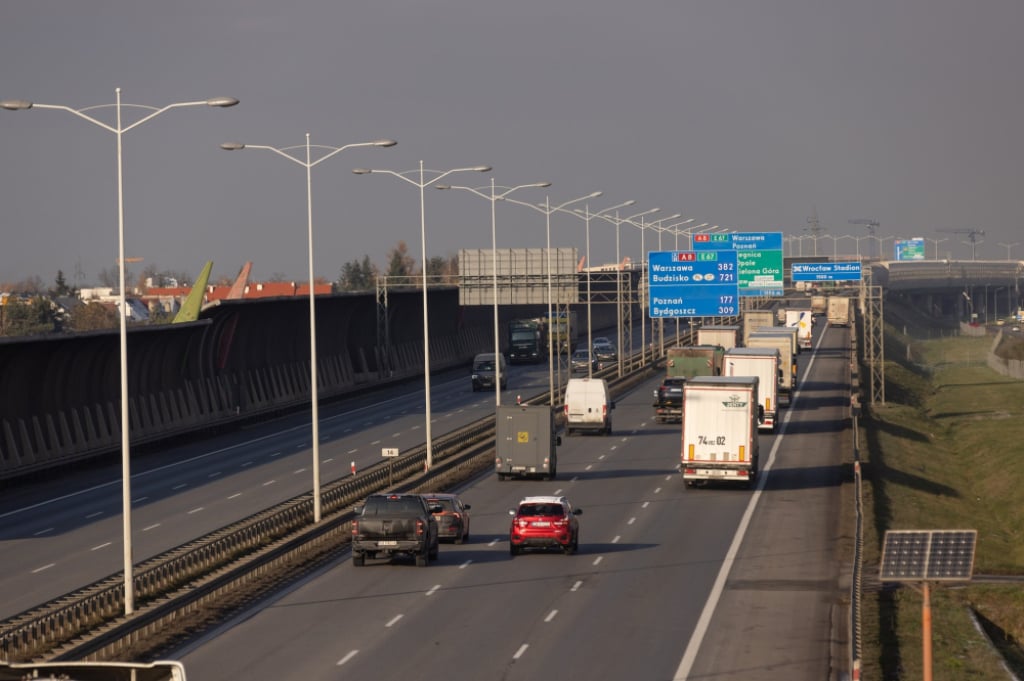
(182, 579)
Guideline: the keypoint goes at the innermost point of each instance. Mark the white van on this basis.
(588, 406)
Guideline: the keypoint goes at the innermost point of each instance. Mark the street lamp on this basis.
(872, 226)
(617, 221)
(548, 210)
(935, 243)
(587, 215)
(1008, 247)
(493, 198)
(119, 129)
(643, 259)
(308, 164)
(422, 184)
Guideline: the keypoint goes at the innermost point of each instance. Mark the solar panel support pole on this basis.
(926, 633)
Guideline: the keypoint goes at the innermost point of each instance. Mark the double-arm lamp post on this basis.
(587, 215)
(422, 183)
(617, 221)
(493, 198)
(548, 209)
(309, 163)
(119, 128)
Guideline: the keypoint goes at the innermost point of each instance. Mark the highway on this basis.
(60, 534)
(669, 582)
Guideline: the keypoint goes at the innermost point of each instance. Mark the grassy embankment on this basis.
(946, 451)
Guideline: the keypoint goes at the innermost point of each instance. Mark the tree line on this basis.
(31, 308)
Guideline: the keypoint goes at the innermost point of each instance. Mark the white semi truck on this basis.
(840, 313)
(763, 363)
(756, 319)
(787, 359)
(720, 443)
(803, 322)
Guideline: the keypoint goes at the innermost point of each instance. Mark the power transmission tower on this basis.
(815, 229)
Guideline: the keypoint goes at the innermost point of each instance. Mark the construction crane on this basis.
(972, 237)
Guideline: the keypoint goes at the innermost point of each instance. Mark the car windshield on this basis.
(581, 354)
(445, 504)
(541, 509)
(483, 366)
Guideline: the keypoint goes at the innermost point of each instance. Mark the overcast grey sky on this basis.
(742, 113)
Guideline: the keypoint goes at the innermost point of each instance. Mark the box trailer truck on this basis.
(726, 335)
(803, 322)
(756, 319)
(840, 313)
(525, 444)
(787, 360)
(721, 415)
(763, 363)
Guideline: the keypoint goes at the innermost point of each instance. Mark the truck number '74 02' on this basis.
(711, 440)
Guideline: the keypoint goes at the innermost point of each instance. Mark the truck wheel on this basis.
(358, 560)
(421, 560)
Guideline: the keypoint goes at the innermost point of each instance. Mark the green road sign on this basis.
(760, 272)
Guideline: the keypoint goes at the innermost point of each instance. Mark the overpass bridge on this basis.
(249, 359)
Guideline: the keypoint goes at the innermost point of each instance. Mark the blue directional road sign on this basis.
(759, 258)
(692, 284)
(826, 271)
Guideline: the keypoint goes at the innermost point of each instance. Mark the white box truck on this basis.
(725, 335)
(839, 311)
(803, 322)
(763, 363)
(720, 421)
(525, 442)
(787, 360)
(756, 319)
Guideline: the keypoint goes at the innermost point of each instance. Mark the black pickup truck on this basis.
(668, 399)
(394, 524)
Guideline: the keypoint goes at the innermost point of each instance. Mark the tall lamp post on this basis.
(493, 198)
(422, 183)
(119, 129)
(308, 164)
(660, 228)
(935, 244)
(587, 215)
(1008, 248)
(547, 209)
(617, 221)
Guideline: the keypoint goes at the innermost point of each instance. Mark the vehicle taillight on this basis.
(522, 523)
(420, 528)
(355, 528)
(604, 410)
(566, 410)
(560, 523)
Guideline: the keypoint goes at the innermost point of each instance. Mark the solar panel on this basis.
(928, 555)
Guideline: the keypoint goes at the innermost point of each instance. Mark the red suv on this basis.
(544, 522)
